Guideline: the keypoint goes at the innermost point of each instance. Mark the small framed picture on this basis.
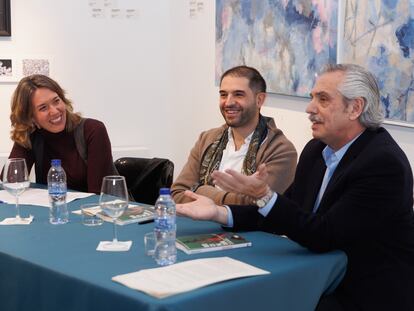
(35, 65)
(9, 69)
(5, 20)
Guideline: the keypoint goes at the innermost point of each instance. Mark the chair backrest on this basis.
(145, 177)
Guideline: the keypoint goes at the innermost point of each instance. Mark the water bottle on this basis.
(56, 184)
(165, 228)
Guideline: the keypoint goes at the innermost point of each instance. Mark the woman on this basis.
(44, 127)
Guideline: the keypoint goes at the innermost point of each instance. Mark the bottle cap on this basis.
(165, 191)
(56, 162)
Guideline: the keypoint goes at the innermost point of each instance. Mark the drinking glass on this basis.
(16, 179)
(149, 243)
(113, 202)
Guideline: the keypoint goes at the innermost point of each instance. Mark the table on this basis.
(49, 267)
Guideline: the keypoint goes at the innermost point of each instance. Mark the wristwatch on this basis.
(261, 202)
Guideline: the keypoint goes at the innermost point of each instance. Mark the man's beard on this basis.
(244, 115)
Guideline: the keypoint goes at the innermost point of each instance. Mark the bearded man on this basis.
(244, 143)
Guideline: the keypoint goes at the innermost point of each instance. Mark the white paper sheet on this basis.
(34, 196)
(185, 276)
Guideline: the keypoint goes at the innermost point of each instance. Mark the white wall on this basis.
(151, 80)
(116, 71)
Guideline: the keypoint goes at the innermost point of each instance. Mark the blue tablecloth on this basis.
(47, 267)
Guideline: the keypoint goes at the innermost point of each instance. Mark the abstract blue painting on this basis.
(379, 35)
(286, 40)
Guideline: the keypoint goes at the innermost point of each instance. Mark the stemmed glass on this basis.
(16, 179)
(113, 202)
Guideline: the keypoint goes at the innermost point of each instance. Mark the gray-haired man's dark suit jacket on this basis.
(366, 211)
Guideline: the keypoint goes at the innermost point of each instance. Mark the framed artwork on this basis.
(5, 20)
(9, 69)
(379, 35)
(287, 41)
(6, 67)
(37, 65)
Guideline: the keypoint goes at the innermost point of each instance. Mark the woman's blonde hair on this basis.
(21, 116)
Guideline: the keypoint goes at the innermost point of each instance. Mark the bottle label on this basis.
(165, 223)
(57, 188)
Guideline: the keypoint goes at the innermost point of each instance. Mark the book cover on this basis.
(134, 214)
(193, 244)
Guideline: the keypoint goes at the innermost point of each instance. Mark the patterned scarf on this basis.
(213, 154)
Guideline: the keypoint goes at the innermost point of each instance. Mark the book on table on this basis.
(200, 243)
(133, 214)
